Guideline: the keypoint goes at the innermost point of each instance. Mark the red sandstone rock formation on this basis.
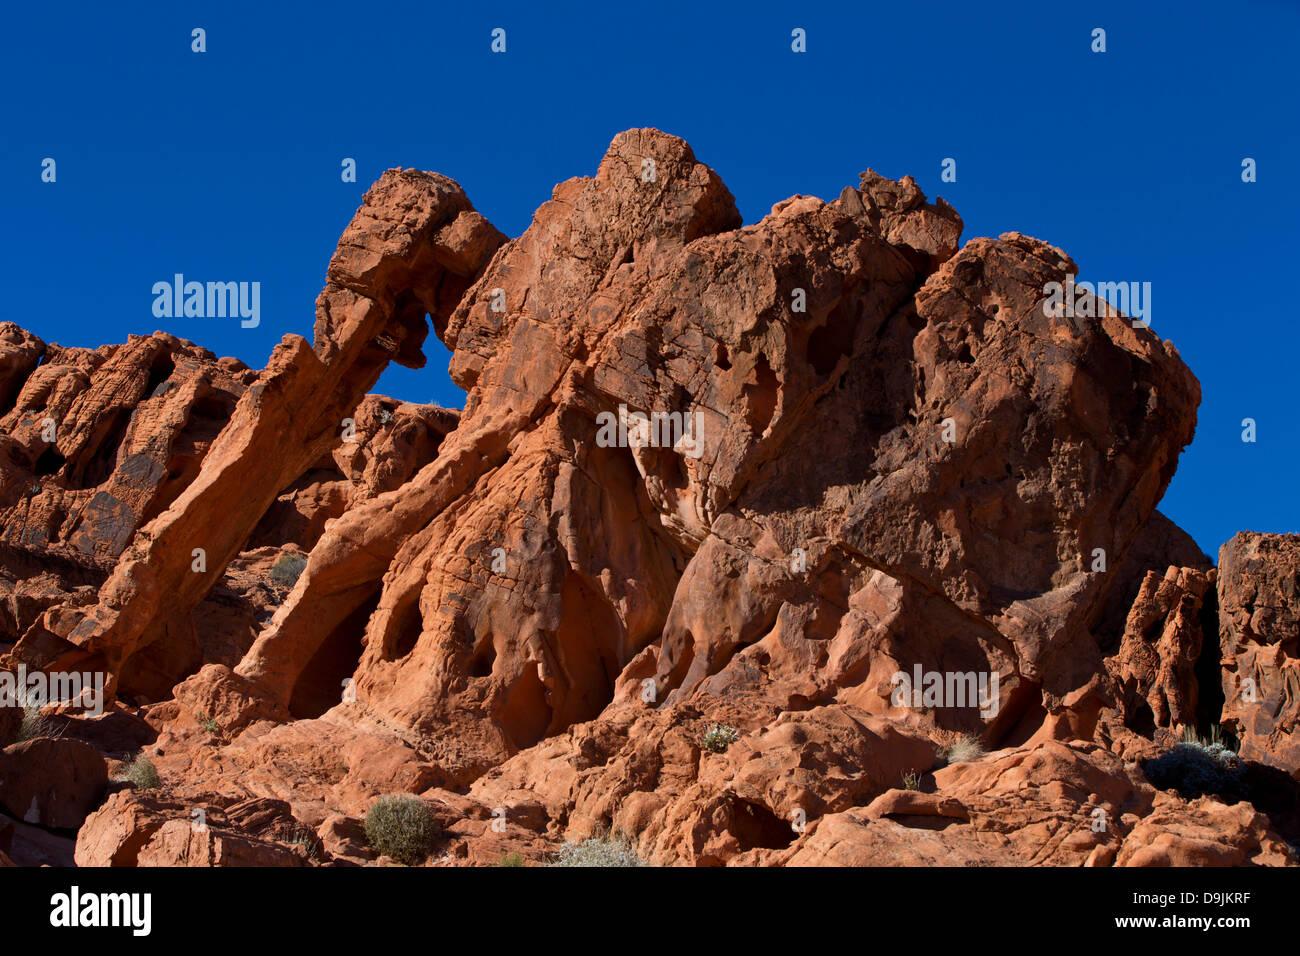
(1155, 666)
(897, 461)
(1259, 628)
(410, 251)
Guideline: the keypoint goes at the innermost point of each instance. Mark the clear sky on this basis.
(225, 165)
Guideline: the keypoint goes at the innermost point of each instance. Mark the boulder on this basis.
(51, 782)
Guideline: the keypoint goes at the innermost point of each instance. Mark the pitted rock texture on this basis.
(868, 450)
(1259, 629)
(530, 575)
(409, 252)
(97, 443)
(1155, 669)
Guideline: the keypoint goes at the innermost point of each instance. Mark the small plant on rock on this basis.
(402, 827)
(309, 841)
(600, 850)
(1198, 766)
(35, 723)
(142, 774)
(1213, 737)
(287, 569)
(719, 737)
(510, 859)
(912, 780)
(965, 748)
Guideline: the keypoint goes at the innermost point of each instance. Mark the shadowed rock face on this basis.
(410, 251)
(97, 443)
(893, 460)
(1259, 629)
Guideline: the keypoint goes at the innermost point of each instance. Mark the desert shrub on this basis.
(402, 827)
(963, 749)
(142, 773)
(287, 569)
(208, 723)
(1195, 769)
(510, 859)
(719, 737)
(306, 838)
(600, 850)
(912, 780)
(34, 723)
(1214, 736)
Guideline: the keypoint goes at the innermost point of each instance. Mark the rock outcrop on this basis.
(1155, 669)
(749, 541)
(824, 511)
(410, 251)
(1259, 632)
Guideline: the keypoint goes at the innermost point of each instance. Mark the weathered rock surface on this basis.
(410, 251)
(100, 442)
(51, 782)
(1259, 630)
(825, 515)
(142, 829)
(1155, 668)
(868, 451)
(20, 353)
(1055, 805)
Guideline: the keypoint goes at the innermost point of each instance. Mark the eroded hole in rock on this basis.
(485, 656)
(756, 827)
(320, 685)
(525, 714)
(100, 466)
(215, 406)
(403, 337)
(1209, 680)
(48, 462)
(1143, 720)
(919, 821)
(160, 370)
(833, 340)
(289, 520)
(1020, 716)
(761, 394)
(404, 630)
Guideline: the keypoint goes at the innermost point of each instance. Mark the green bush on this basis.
(402, 827)
(1195, 769)
(287, 569)
(35, 723)
(511, 859)
(142, 773)
(963, 749)
(719, 737)
(600, 850)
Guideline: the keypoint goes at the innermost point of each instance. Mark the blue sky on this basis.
(225, 165)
